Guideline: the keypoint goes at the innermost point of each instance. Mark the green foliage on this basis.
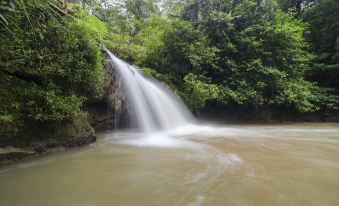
(91, 24)
(150, 72)
(6, 118)
(150, 37)
(140, 9)
(255, 53)
(50, 64)
(198, 90)
(324, 38)
(298, 94)
(296, 6)
(274, 54)
(49, 104)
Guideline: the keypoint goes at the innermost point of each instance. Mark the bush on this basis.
(50, 64)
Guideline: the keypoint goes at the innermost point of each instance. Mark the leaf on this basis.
(3, 18)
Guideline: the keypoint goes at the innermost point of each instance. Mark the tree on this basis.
(140, 9)
(297, 6)
(255, 53)
(324, 38)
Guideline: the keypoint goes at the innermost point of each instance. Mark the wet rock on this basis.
(76, 141)
(51, 143)
(39, 147)
(82, 139)
(56, 149)
(10, 155)
(110, 111)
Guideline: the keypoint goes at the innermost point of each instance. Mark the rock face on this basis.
(37, 140)
(9, 155)
(110, 111)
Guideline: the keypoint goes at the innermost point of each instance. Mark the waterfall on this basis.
(155, 107)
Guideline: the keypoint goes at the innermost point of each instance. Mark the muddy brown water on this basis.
(254, 165)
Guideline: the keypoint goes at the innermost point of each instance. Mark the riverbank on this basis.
(76, 134)
(242, 114)
(12, 155)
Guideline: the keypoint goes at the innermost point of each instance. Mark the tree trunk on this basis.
(203, 9)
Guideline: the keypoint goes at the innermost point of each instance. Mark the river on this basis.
(254, 165)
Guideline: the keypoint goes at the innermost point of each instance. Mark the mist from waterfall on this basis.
(156, 108)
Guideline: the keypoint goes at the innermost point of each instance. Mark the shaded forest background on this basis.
(233, 59)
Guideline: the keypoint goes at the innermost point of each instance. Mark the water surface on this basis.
(289, 164)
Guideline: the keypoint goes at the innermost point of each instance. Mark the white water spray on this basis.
(156, 107)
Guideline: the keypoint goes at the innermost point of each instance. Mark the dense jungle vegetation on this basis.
(246, 55)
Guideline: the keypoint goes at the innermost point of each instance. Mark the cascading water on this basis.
(156, 108)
